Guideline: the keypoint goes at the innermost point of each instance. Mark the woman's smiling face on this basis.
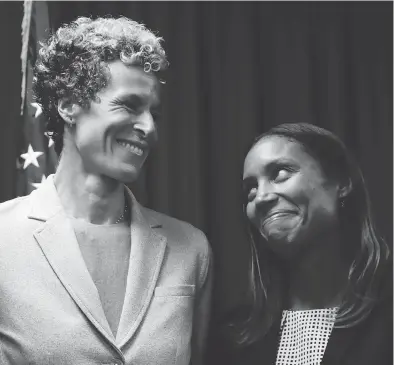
(290, 200)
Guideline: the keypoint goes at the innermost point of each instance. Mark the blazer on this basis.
(50, 311)
(369, 342)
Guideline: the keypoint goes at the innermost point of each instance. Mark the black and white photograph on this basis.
(196, 182)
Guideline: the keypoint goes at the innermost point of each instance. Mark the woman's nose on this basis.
(264, 199)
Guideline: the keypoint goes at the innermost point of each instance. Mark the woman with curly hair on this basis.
(320, 276)
(87, 274)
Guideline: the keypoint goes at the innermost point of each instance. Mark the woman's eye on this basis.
(281, 174)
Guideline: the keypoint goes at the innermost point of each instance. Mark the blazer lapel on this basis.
(60, 247)
(146, 257)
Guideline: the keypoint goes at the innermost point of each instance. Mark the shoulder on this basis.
(178, 230)
(9, 206)
(376, 330)
(384, 306)
(13, 210)
(372, 339)
(14, 223)
(186, 243)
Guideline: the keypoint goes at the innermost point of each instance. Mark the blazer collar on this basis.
(60, 247)
(146, 257)
(45, 203)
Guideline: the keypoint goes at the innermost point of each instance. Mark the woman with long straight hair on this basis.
(320, 276)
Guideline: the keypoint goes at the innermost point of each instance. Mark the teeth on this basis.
(134, 149)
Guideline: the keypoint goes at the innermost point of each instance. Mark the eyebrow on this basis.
(281, 161)
(134, 98)
(137, 99)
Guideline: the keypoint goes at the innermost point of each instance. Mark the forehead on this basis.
(275, 149)
(131, 80)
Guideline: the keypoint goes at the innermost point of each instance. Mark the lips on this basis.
(277, 215)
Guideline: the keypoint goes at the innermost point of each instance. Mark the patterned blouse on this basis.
(304, 336)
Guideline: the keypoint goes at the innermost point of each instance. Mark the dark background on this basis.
(236, 69)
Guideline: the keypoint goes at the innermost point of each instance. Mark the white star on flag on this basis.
(38, 109)
(50, 143)
(30, 157)
(37, 185)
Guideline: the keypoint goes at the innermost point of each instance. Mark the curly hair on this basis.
(73, 63)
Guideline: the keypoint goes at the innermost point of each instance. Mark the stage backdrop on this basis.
(237, 69)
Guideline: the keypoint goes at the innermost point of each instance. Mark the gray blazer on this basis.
(50, 311)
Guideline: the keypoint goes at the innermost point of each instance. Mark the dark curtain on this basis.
(238, 68)
(11, 138)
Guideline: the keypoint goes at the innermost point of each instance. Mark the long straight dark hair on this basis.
(368, 252)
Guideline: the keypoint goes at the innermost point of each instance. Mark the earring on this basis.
(342, 203)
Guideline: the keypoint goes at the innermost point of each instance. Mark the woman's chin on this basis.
(275, 233)
(281, 234)
(282, 243)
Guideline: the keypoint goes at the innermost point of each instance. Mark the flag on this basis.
(37, 158)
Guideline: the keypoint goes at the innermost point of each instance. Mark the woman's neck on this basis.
(93, 198)
(317, 278)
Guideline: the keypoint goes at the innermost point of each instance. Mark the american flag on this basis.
(37, 158)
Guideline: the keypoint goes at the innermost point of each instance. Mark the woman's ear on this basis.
(345, 189)
(68, 111)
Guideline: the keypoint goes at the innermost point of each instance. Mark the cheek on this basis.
(155, 136)
(251, 213)
(89, 140)
(92, 133)
(93, 148)
(322, 204)
(305, 189)
(299, 190)
(326, 201)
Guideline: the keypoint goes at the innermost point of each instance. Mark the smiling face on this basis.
(290, 201)
(114, 135)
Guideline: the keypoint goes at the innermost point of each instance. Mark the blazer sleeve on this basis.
(202, 308)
